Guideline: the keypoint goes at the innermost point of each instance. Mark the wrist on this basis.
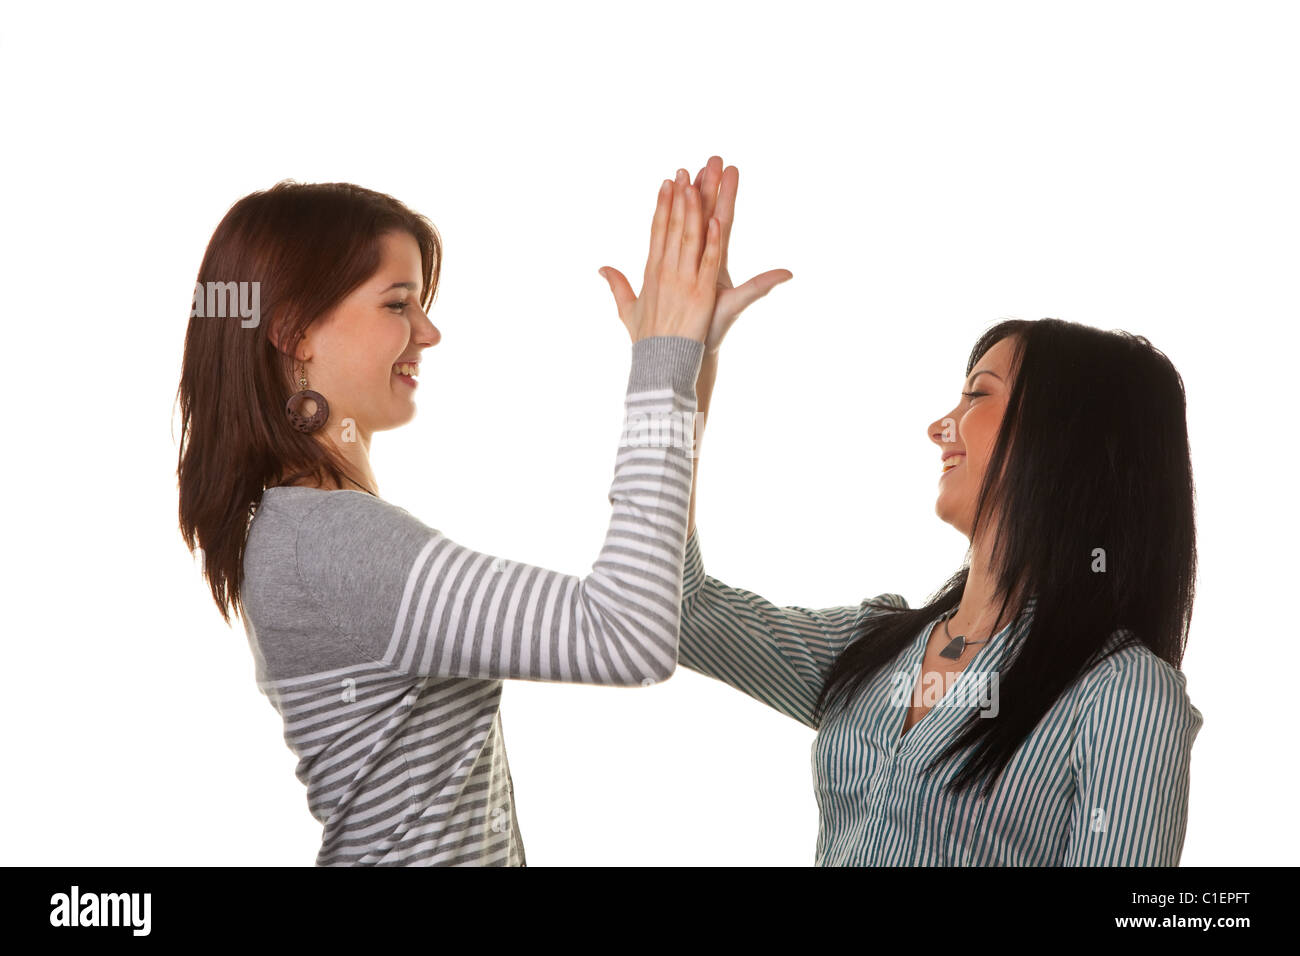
(708, 369)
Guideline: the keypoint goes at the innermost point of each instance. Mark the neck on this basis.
(355, 456)
(977, 612)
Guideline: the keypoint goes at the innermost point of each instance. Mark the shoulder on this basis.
(881, 604)
(344, 532)
(343, 516)
(300, 501)
(361, 532)
(1131, 686)
(895, 601)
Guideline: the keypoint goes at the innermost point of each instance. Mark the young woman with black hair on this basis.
(1032, 712)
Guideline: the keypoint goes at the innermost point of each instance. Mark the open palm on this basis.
(717, 188)
(717, 191)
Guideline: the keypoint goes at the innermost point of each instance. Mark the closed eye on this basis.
(401, 306)
(974, 394)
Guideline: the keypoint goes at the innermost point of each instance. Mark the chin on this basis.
(397, 421)
(392, 418)
(948, 513)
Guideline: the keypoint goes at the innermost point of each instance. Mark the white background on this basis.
(924, 170)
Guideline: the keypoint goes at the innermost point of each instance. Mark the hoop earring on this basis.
(306, 423)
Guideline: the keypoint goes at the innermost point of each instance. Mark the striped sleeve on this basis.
(778, 655)
(1131, 758)
(407, 596)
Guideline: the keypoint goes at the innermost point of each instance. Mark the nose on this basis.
(425, 332)
(943, 431)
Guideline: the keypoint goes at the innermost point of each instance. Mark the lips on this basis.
(952, 461)
(405, 373)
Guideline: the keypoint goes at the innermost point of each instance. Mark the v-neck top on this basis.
(1102, 780)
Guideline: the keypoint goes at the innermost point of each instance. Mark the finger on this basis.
(709, 179)
(726, 208)
(732, 302)
(762, 284)
(692, 235)
(676, 223)
(708, 277)
(624, 298)
(765, 282)
(701, 181)
(659, 228)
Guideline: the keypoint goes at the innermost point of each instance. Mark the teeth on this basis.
(951, 462)
(407, 368)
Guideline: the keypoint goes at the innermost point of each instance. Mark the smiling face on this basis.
(355, 351)
(970, 430)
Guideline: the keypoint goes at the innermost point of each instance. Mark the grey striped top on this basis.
(383, 644)
(1101, 781)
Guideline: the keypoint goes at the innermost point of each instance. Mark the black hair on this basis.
(1092, 453)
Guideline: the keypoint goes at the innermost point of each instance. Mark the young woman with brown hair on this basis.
(382, 643)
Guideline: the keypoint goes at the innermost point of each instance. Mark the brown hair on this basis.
(307, 246)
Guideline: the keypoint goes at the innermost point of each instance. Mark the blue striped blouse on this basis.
(1101, 781)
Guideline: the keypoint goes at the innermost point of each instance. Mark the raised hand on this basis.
(717, 188)
(680, 285)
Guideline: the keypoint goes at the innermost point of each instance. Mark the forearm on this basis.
(704, 393)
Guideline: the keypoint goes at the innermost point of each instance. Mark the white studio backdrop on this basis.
(923, 169)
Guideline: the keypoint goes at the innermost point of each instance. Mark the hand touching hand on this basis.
(680, 287)
(718, 195)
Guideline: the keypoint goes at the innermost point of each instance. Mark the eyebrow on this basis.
(982, 371)
(400, 285)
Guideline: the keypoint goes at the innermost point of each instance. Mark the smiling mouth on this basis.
(406, 373)
(951, 462)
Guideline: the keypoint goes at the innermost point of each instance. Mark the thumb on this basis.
(624, 297)
(759, 286)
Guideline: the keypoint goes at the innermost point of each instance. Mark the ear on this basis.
(301, 354)
(273, 334)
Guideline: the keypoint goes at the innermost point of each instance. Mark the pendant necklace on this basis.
(956, 645)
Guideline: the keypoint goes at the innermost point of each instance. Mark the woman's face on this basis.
(354, 350)
(968, 432)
